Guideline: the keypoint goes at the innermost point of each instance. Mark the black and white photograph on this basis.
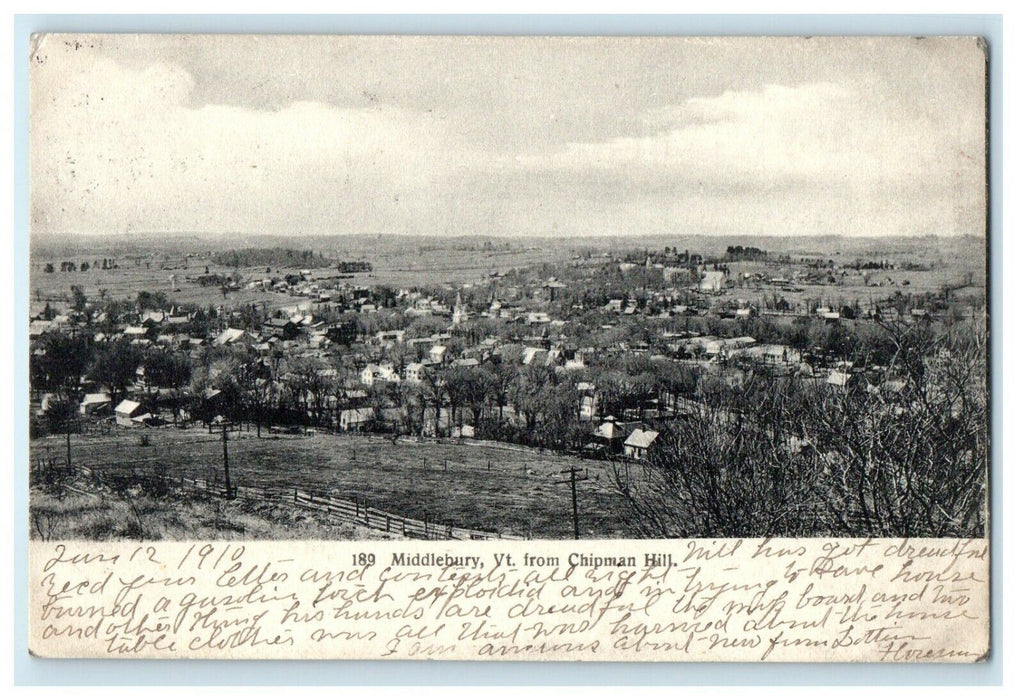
(332, 288)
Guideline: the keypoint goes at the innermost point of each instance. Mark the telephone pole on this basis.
(574, 477)
(227, 474)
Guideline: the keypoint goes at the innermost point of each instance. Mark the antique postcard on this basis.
(527, 348)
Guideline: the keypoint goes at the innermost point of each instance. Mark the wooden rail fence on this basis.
(336, 508)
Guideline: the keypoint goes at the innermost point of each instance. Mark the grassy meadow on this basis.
(486, 487)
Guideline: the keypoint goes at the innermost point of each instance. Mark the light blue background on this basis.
(28, 670)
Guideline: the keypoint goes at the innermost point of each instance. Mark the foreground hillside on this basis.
(101, 515)
(485, 486)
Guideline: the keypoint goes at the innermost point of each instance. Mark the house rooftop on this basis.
(641, 438)
(127, 406)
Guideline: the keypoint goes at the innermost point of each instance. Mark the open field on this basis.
(424, 267)
(128, 280)
(853, 289)
(416, 265)
(499, 489)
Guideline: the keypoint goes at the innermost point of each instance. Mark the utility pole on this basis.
(227, 474)
(574, 477)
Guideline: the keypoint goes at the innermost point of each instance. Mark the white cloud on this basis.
(123, 146)
(778, 133)
(815, 158)
(107, 159)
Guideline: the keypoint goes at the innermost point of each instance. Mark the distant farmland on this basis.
(404, 261)
(498, 489)
(414, 267)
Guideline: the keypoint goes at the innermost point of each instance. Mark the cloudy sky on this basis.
(509, 136)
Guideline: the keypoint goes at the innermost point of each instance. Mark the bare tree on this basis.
(902, 452)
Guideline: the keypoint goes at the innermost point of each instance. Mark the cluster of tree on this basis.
(151, 301)
(66, 266)
(545, 404)
(63, 361)
(78, 298)
(872, 265)
(739, 252)
(270, 257)
(213, 280)
(354, 266)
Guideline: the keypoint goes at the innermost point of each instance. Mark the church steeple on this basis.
(458, 312)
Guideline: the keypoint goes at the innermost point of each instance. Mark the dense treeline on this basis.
(271, 257)
(738, 252)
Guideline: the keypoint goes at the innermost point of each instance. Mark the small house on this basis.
(534, 356)
(639, 442)
(373, 374)
(437, 353)
(136, 332)
(354, 418)
(283, 328)
(414, 372)
(127, 411)
(588, 407)
(463, 431)
(94, 404)
(839, 379)
(229, 336)
(610, 434)
(38, 328)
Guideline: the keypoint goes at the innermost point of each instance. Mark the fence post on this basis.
(387, 526)
(227, 474)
